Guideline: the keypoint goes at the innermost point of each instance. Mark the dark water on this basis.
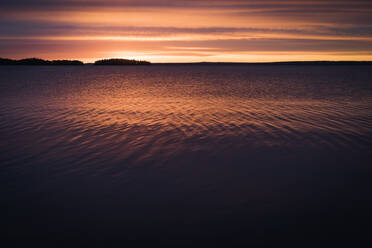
(186, 155)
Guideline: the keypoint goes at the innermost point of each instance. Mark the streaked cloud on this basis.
(192, 30)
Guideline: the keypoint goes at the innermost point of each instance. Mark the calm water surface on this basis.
(178, 154)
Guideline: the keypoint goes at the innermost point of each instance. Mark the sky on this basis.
(187, 30)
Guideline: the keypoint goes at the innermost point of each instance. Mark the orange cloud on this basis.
(221, 30)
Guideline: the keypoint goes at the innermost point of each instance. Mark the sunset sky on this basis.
(187, 30)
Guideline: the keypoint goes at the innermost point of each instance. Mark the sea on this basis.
(186, 155)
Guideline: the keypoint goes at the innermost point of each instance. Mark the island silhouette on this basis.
(123, 62)
(37, 61)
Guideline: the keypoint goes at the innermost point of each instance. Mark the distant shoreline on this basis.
(126, 62)
(275, 63)
(43, 62)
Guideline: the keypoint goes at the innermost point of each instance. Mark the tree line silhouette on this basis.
(115, 61)
(121, 62)
(37, 61)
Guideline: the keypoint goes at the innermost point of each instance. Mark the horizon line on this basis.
(205, 62)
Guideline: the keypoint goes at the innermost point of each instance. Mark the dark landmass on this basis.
(276, 63)
(36, 61)
(121, 62)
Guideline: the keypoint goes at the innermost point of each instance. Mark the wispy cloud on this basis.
(183, 29)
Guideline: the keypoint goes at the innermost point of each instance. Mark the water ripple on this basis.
(120, 122)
